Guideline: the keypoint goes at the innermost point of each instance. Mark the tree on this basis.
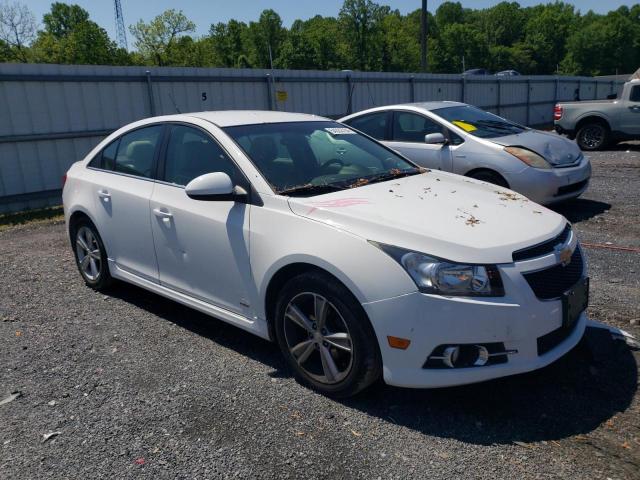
(456, 41)
(69, 36)
(17, 30)
(155, 40)
(604, 45)
(229, 42)
(360, 23)
(64, 19)
(267, 36)
(546, 32)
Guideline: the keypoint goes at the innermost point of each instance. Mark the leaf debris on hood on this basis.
(511, 196)
(470, 219)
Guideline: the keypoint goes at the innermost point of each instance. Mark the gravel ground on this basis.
(138, 386)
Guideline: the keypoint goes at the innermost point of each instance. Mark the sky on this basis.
(206, 12)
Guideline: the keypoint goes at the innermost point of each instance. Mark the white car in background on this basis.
(459, 138)
(357, 262)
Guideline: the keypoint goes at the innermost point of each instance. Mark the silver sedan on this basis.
(466, 140)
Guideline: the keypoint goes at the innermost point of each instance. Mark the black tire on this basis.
(103, 280)
(489, 177)
(365, 364)
(593, 136)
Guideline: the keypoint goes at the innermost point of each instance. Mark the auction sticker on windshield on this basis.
(340, 131)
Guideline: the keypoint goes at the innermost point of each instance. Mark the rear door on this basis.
(122, 183)
(407, 137)
(376, 124)
(202, 246)
(630, 117)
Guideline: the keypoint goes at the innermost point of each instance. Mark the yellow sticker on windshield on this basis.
(467, 127)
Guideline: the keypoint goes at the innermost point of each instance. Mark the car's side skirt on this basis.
(251, 325)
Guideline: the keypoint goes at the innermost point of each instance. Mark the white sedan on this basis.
(359, 263)
(460, 138)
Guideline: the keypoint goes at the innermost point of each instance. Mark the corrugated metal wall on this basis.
(52, 115)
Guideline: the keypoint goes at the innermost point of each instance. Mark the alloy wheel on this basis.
(593, 136)
(318, 338)
(88, 251)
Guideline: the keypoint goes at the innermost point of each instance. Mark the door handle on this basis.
(162, 214)
(635, 108)
(104, 195)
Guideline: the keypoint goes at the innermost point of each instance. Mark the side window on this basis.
(136, 151)
(192, 153)
(106, 158)
(454, 138)
(374, 124)
(635, 94)
(411, 127)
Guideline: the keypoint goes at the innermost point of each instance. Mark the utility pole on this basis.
(423, 36)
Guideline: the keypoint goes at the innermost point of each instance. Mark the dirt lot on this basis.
(138, 386)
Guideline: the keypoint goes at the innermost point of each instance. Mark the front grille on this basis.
(552, 282)
(552, 339)
(542, 248)
(574, 187)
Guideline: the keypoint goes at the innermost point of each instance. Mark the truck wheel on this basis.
(593, 136)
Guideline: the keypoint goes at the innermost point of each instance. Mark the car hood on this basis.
(442, 214)
(554, 148)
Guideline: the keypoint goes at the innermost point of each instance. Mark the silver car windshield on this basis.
(311, 158)
(478, 122)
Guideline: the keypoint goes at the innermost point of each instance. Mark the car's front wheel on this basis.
(325, 335)
(91, 256)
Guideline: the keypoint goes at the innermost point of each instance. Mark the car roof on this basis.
(230, 118)
(416, 106)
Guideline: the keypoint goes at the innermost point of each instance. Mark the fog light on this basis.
(468, 355)
(450, 356)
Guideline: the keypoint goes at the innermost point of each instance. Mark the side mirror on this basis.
(213, 186)
(612, 96)
(435, 138)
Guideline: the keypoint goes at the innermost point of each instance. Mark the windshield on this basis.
(478, 122)
(310, 158)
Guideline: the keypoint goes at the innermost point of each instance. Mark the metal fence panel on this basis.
(52, 115)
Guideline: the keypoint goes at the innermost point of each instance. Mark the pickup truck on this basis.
(597, 123)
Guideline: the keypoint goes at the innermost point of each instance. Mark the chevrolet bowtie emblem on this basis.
(563, 254)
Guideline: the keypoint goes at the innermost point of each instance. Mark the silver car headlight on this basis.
(529, 157)
(441, 277)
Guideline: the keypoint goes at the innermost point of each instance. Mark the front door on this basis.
(202, 246)
(630, 116)
(407, 137)
(121, 177)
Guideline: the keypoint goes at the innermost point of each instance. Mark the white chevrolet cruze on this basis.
(357, 262)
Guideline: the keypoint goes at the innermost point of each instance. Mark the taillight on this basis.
(64, 179)
(557, 112)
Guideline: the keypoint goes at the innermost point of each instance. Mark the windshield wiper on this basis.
(310, 189)
(499, 125)
(382, 177)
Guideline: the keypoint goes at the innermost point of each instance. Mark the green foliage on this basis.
(157, 41)
(70, 37)
(543, 39)
(63, 19)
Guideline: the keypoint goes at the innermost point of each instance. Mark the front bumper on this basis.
(517, 320)
(554, 185)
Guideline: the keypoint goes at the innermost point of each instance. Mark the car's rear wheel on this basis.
(325, 335)
(489, 177)
(593, 136)
(91, 256)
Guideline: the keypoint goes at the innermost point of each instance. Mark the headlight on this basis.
(441, 277)
(527, 156)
